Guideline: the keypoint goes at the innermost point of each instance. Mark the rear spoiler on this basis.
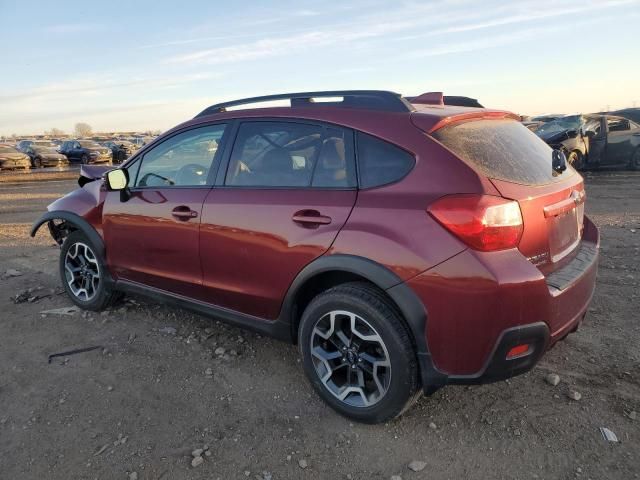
(439, 99)
(426, 123)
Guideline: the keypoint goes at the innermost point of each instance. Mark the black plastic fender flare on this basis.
(77, 222)
(411, 307)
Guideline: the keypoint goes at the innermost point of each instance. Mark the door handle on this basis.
(311, 218)
(183, 213)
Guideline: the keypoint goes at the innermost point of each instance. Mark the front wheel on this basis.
(83, 274)
(358, 354)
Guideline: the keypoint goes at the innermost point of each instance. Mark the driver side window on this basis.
(183, 160)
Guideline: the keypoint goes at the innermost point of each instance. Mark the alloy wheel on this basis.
(350, 358)
(82, 271)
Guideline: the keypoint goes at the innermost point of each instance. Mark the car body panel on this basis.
(252, 249)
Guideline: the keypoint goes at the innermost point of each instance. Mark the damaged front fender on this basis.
(62, 223)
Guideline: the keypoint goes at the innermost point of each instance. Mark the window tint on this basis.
(182, 160)
(285, 154)
(618, 124)
(504, 150)
(380, 162)
(335, 161)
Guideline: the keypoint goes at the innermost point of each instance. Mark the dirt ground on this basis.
(138, 407)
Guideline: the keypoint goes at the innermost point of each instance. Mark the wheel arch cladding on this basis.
(346, 268)
(73, 220)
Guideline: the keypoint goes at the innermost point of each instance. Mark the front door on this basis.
(153, 237)
(288, 190)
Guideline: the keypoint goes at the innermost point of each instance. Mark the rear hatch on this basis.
(519, 164)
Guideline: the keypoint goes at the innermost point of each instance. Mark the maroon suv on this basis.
(402, 245)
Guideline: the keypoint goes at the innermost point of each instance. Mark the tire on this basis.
(395, 386)
(84, 159)
(78, 253)
(576, 159)
(37, 162)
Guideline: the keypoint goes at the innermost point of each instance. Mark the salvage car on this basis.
(593, 141)
(120, 149)
(45, 154)
(85, 151)
(12, 158)
(402, 245)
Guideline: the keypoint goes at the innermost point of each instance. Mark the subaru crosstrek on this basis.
(402, 245)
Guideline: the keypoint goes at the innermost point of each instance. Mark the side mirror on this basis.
(118, 180)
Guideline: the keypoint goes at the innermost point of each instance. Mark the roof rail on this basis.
(365, 99)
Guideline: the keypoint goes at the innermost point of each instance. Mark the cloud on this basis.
(74, 28)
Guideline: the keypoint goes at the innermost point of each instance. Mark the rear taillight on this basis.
(483, 222)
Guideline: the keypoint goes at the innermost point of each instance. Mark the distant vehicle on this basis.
(85, 151)
(592, 141)
(120, 149)
(12, 158)
(45, 154)
(22, 145)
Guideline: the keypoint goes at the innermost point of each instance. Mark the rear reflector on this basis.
(518, 351)
(483, 222)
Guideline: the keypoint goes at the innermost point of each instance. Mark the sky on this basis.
(147, 65)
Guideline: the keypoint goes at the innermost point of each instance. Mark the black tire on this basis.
(84, 159)
(370, 305)
(576, 159)
(37, 162)
(102, 295)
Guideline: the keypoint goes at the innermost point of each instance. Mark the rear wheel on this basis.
(84, 159)
(37, 162)
(358, 354)
(83, 274)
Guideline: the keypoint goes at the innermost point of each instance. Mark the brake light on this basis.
(483, 222)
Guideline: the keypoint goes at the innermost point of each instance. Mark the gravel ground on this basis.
(174, 395)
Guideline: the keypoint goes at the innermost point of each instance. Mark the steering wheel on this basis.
(192, 174)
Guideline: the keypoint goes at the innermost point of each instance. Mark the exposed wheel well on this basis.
(324, 281)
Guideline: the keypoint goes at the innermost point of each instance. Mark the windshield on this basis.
(560, 125)
(87, 144)
(503, 149)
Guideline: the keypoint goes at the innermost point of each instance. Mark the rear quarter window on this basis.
(504, 150)
(381, 163)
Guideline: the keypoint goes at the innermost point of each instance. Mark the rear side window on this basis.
(288, 154)
(380, 162)
(504, 150)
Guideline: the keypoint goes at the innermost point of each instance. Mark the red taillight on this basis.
(483, 222)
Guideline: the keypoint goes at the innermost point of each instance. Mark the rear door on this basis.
(288, 189)
(519, 164)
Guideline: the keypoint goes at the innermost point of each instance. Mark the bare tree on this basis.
(56, 132)
(83, 129)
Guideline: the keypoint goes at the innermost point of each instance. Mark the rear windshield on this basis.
(504, 150)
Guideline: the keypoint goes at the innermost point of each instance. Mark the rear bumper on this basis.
(478, 304)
